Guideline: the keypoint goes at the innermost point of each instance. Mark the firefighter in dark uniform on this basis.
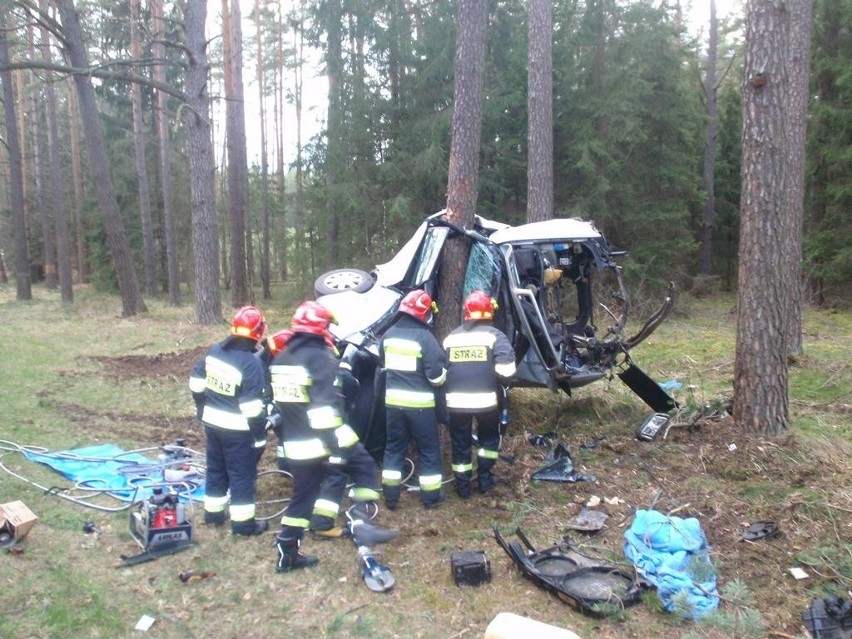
(327, 506)
(304, 386)
(415, 365)
(480, 358)
(228, 386)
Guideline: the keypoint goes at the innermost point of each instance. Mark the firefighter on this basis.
(480, 359)
(327, 506)
(274, 344)
(304, 385)
(415, 365)
(228, 385)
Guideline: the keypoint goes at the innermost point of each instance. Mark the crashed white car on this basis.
(554, 282)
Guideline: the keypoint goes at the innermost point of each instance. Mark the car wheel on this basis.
(343, 279)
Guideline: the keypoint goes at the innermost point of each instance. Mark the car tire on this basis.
(343, 279)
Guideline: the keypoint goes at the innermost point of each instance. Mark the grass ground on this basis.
(84, 375)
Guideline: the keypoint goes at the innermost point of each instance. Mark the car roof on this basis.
(548, 230)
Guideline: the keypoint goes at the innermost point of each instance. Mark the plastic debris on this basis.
(587, 520)
(559, 467)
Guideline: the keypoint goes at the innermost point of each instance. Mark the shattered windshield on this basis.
(483, 269)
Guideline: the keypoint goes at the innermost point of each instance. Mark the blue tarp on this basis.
(125, 475)
(672, 553)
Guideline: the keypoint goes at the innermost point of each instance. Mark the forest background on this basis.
(116, 173)
(630, 122)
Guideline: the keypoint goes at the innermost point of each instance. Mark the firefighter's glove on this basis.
(257, 426)
(199, 405)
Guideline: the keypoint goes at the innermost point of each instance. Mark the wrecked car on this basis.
(556, 283)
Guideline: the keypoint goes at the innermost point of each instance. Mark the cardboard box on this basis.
(16, 519)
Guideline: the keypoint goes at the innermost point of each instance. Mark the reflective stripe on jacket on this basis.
(414, 363)
(479, 356)
(303, 378)
(231, 380)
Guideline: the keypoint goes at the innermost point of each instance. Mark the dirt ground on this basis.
(709, 470)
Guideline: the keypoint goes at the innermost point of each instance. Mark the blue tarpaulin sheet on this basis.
(125, 475)
(672, 553)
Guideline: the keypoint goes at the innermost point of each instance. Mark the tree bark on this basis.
(208, 307)
(264, 160)
(711, 93)
(23, 284)
(77, 178)
(299, 205)
(60, 220)
(540, 112)
(801, 19)
(236, 140)
(43, 206)
(149, 250)
(830, 36)
(463, 178)
(159, 51)
(761, 403)
(336, 153)
(122, 256)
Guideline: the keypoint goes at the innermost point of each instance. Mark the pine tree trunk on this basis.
(300, 241)
(119, 245)
(264, 161)
(463, 179)
(63, 258)
(159, 51)
(236, 140)
(335, 157)
(540, 109)
(711, 93)
(830, 34)
(77, 178)
(205, 240)
(801, 18)
(23, 283)
(149, 250)
(760, 369)
(44, 206)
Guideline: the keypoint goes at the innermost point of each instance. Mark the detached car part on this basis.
(589, 585)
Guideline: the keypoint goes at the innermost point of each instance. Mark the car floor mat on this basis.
(590, 585)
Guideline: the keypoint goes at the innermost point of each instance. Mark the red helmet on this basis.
(312, 317)
(478, 305)
(249, 322)
(418, 304)
(278, 341)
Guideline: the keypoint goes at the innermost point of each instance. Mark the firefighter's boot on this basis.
(363, 532)
(214, 519)
(289, 557)
(485, 480)
(323, 527)
(462, 482)
(249, 528)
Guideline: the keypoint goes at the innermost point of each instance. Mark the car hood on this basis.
(355, 312)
